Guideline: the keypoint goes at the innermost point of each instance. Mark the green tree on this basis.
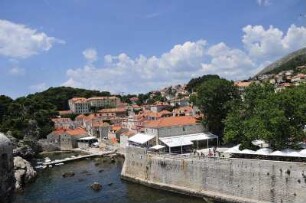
(277, 118)
(213, 97)
(194, 83)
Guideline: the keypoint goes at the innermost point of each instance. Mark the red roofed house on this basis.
(173, 126)
(178, 134)
(66, 139)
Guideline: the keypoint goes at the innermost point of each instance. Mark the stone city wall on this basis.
(232, 180)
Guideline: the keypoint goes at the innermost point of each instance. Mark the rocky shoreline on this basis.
(24, 173)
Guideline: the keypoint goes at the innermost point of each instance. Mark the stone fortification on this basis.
(232, 180)
(7, 180)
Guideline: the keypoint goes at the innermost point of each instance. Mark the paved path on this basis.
(77, 158)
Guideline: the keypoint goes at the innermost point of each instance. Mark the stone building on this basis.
(7, 180)
(179, 134)
(82, 105)
(66, 139)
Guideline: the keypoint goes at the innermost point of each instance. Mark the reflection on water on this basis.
(50, 186)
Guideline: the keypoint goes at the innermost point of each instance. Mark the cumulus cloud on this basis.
(121, 73)
(20, 41)
(268, 44)
(90, 55)
(228, 62)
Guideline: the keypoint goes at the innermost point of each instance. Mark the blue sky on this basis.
(137, 46)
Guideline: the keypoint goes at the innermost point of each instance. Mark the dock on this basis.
(70, 159)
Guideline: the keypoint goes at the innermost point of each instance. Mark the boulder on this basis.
(24, 151)
(68, 174)
(24, 173)
(96, 186)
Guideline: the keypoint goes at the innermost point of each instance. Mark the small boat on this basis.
(59, 164)
(39, 166)
(47, 160)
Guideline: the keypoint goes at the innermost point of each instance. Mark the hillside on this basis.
(288, 62)
(31, 115)
(59, 96)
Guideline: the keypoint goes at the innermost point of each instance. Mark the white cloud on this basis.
(20, 41)
(16, 71)
(121, 73)
(264, 2)
(228, 62)
(272, 43)
(90, 55)
(38, 87)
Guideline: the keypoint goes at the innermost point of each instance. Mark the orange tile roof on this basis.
(65, 112)
(58, 131)
(112, 110)
(116, 127)
(242, 84)
(89, 117)
(128, 133)
(81, 116)
(74, 99)
(171, 121)
(99, 124)
(76, 132)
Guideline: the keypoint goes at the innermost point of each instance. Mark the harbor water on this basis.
(51, 186)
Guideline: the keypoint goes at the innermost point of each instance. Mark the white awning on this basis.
(157, 147)
(176, 141)
(141, 138)
(88, 138)
(184, 140)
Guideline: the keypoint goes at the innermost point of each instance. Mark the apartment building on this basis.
(81, 105)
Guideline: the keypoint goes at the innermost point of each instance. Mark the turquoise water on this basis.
(51, 187)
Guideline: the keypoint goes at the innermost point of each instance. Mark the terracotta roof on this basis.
(99, 124)
(112, 110)
(65, 112)
(81, 116)
(116, 127)
(171, 121)
(76, 132)
(74, 99)
(89, 117)
(135, 106)
(58, 131)
(242, 84)
(128, 133)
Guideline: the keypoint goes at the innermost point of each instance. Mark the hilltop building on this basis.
(81, 105)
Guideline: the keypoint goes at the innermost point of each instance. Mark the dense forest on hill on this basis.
(31, 115)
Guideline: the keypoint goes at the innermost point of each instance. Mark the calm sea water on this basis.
(50, 186)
